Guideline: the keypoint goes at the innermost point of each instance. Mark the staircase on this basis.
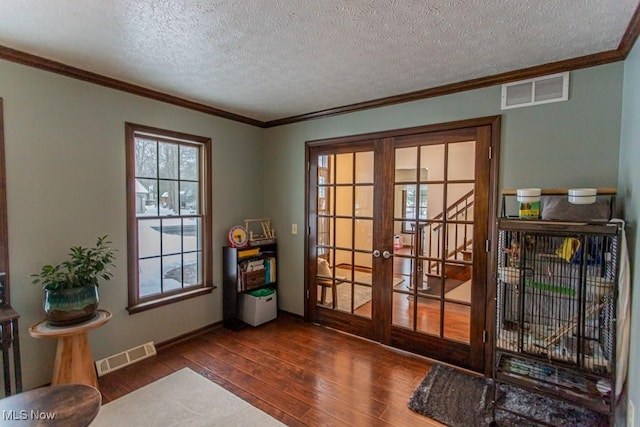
(461, 240)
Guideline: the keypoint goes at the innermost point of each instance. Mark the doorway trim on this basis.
(494, 124)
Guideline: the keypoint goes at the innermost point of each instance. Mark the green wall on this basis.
(629, 188)
(65, 166)
(566, 144)
(66, 180)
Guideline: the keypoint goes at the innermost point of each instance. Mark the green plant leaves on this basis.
(84, 267)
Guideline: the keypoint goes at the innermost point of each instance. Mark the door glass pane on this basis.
(344, 233)
(364, 234)
(456, 321)
(344, 201)
(431, 243)
(325, 200)
(460, 293)
(343, 263)
(363, 263)
(325, 262)
(432, 160)
(325, 169)
(364, 201)
(364, 167)
(429, 316)
(435, 200)
(403, 257)
(459, 242)
(405, 206)
(456, 274)
(362, 301)
(325, 231)
(461, 160)
(344, 168)
(421, 276)
(460, 199)
(406, 164)
(325, 277)
(403, 306)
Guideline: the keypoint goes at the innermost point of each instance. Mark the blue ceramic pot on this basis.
(70, 306)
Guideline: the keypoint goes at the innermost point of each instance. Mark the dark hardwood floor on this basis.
(301, 374)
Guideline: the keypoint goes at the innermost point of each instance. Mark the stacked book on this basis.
(270, 270)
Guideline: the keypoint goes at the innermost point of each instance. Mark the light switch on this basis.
(294, 228)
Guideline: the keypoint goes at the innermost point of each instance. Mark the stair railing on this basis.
(457, 211)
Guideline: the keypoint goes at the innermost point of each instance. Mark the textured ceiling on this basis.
(271, 59)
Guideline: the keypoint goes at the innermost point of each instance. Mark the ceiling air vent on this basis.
(541, 90)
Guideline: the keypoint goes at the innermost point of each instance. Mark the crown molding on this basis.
(624, 48)
(631, 35)
(35, 61)
(525, 73)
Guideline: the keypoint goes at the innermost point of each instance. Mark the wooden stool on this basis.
(328, 283)
(74, 363)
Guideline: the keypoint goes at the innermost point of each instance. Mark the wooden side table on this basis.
(74, 363)
(8, 337)
(59, 405)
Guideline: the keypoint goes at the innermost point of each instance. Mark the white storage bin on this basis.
(256, 310)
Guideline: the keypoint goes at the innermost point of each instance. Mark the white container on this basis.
(529, 203)
(258, 310)
(582, 196)
(528, 195)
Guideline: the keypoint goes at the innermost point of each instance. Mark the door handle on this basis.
(376, 253)
(387, 254)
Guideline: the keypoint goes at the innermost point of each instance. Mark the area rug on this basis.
(183, 398)
(362, 294)
(362, 276)
(457, 399)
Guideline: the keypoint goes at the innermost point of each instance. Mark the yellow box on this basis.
(248, 252)
(529, 210)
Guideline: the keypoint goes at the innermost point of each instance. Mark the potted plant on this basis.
(71, 287)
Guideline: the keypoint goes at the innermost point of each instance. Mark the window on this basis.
(169, 216)
(409, 208)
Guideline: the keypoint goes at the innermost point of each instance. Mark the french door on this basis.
(399, 226)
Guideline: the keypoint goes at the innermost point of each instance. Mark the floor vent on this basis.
(125, 358)
(541, 90)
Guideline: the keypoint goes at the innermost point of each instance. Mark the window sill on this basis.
(170, 299)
